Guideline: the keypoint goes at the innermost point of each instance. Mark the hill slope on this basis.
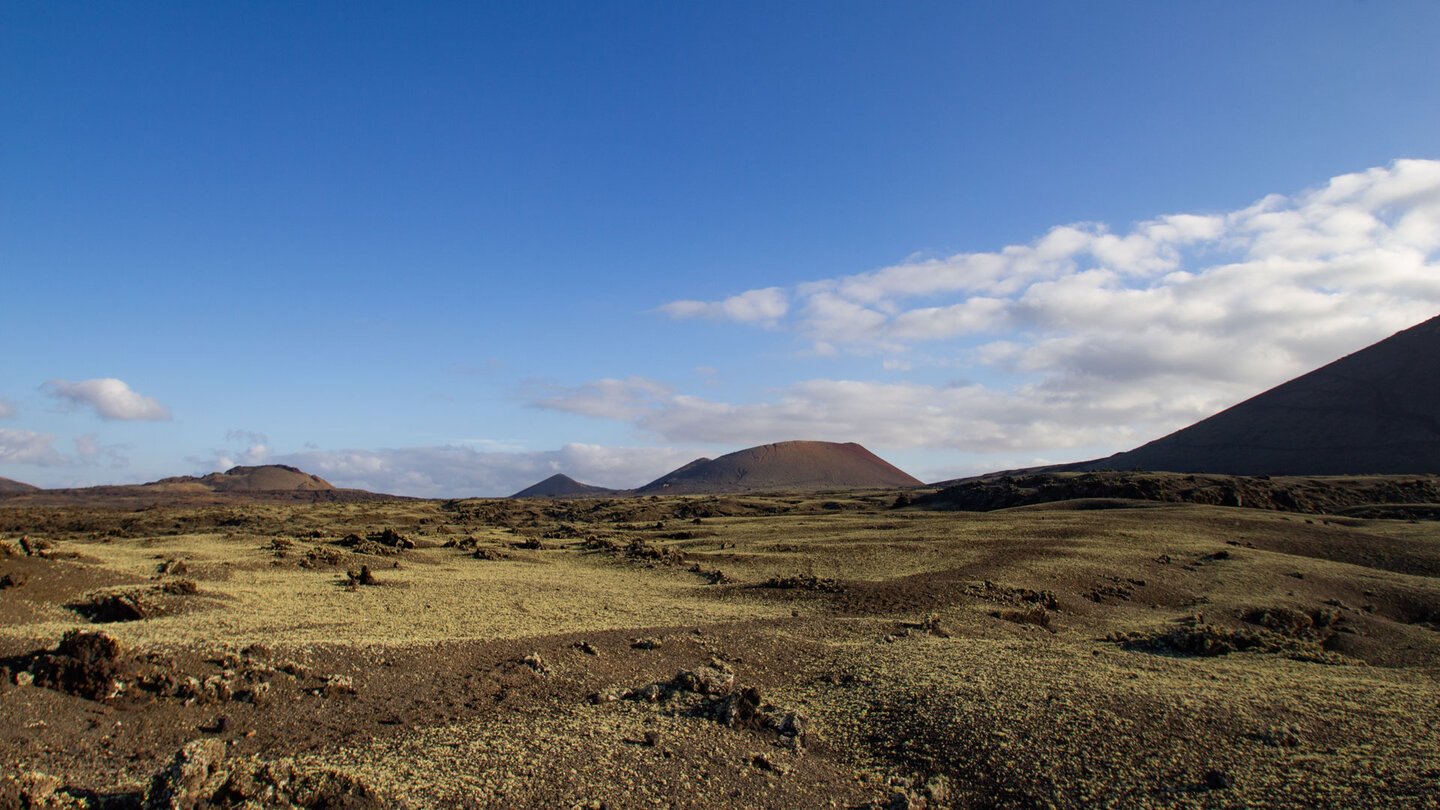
(796, 465)
(560, 485)
(1374, 411)
(9, 485)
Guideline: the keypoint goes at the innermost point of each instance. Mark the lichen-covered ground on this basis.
(799, 651)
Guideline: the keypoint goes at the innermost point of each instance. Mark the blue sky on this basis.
(450, 249)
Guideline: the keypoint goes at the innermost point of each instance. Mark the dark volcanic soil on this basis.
(835, 652)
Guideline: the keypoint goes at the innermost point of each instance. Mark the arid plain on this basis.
(871, 648)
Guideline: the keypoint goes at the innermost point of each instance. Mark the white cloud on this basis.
(908, 415)
(6, 409)
(246, 436)
(462, 471)
(1094, 337)
(256, 451)
(28, 447)
(1353, 258)
(89, 450)
(603, 399)
(111, 399)
(756, 306)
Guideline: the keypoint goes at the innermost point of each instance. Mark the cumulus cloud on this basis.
(1094, 337)
(111, 399)
(1287, 277)
(29, 447)
(456, 471)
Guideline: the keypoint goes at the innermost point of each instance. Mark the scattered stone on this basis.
(804, 582)
(336, 685)
(765, 763)
(937, 789)
(716, 577)
(364, 576)
(258, 694)
(1288, 735)
(173, 566)
(200, 777)
(641, 550)
(179, 587)
(1319, 625)
(323, 556)
(1194, 637)
(536, 663)
(1036, 615)
(378, 544)
(126, 606)
(182, 784)
(30, 789)
(601, 544)
(1217, 780)
(649, 693)
(646, 643)
(11, 581)
(257, 650)
(587, 648)
(84, 664)
(704, 681)
(35, 548)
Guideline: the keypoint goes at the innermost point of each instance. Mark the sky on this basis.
(450, 249)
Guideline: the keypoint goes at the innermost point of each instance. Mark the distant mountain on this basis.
(1374, 411)
(7, 485)
(561, 486)
(271, 482)
(797, 465)
(265, 478)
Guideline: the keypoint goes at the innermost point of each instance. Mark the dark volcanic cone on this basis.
(1375, 411)
(560, 485)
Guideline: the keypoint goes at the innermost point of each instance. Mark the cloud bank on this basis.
(110, 398)
(1086, 337)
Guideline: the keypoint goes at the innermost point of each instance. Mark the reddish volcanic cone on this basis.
(798, 465)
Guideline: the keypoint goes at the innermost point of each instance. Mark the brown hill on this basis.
(1374, 411)
(9, 485)
(271, 482)
(561, 486)
(265, 478)
(797, 465)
